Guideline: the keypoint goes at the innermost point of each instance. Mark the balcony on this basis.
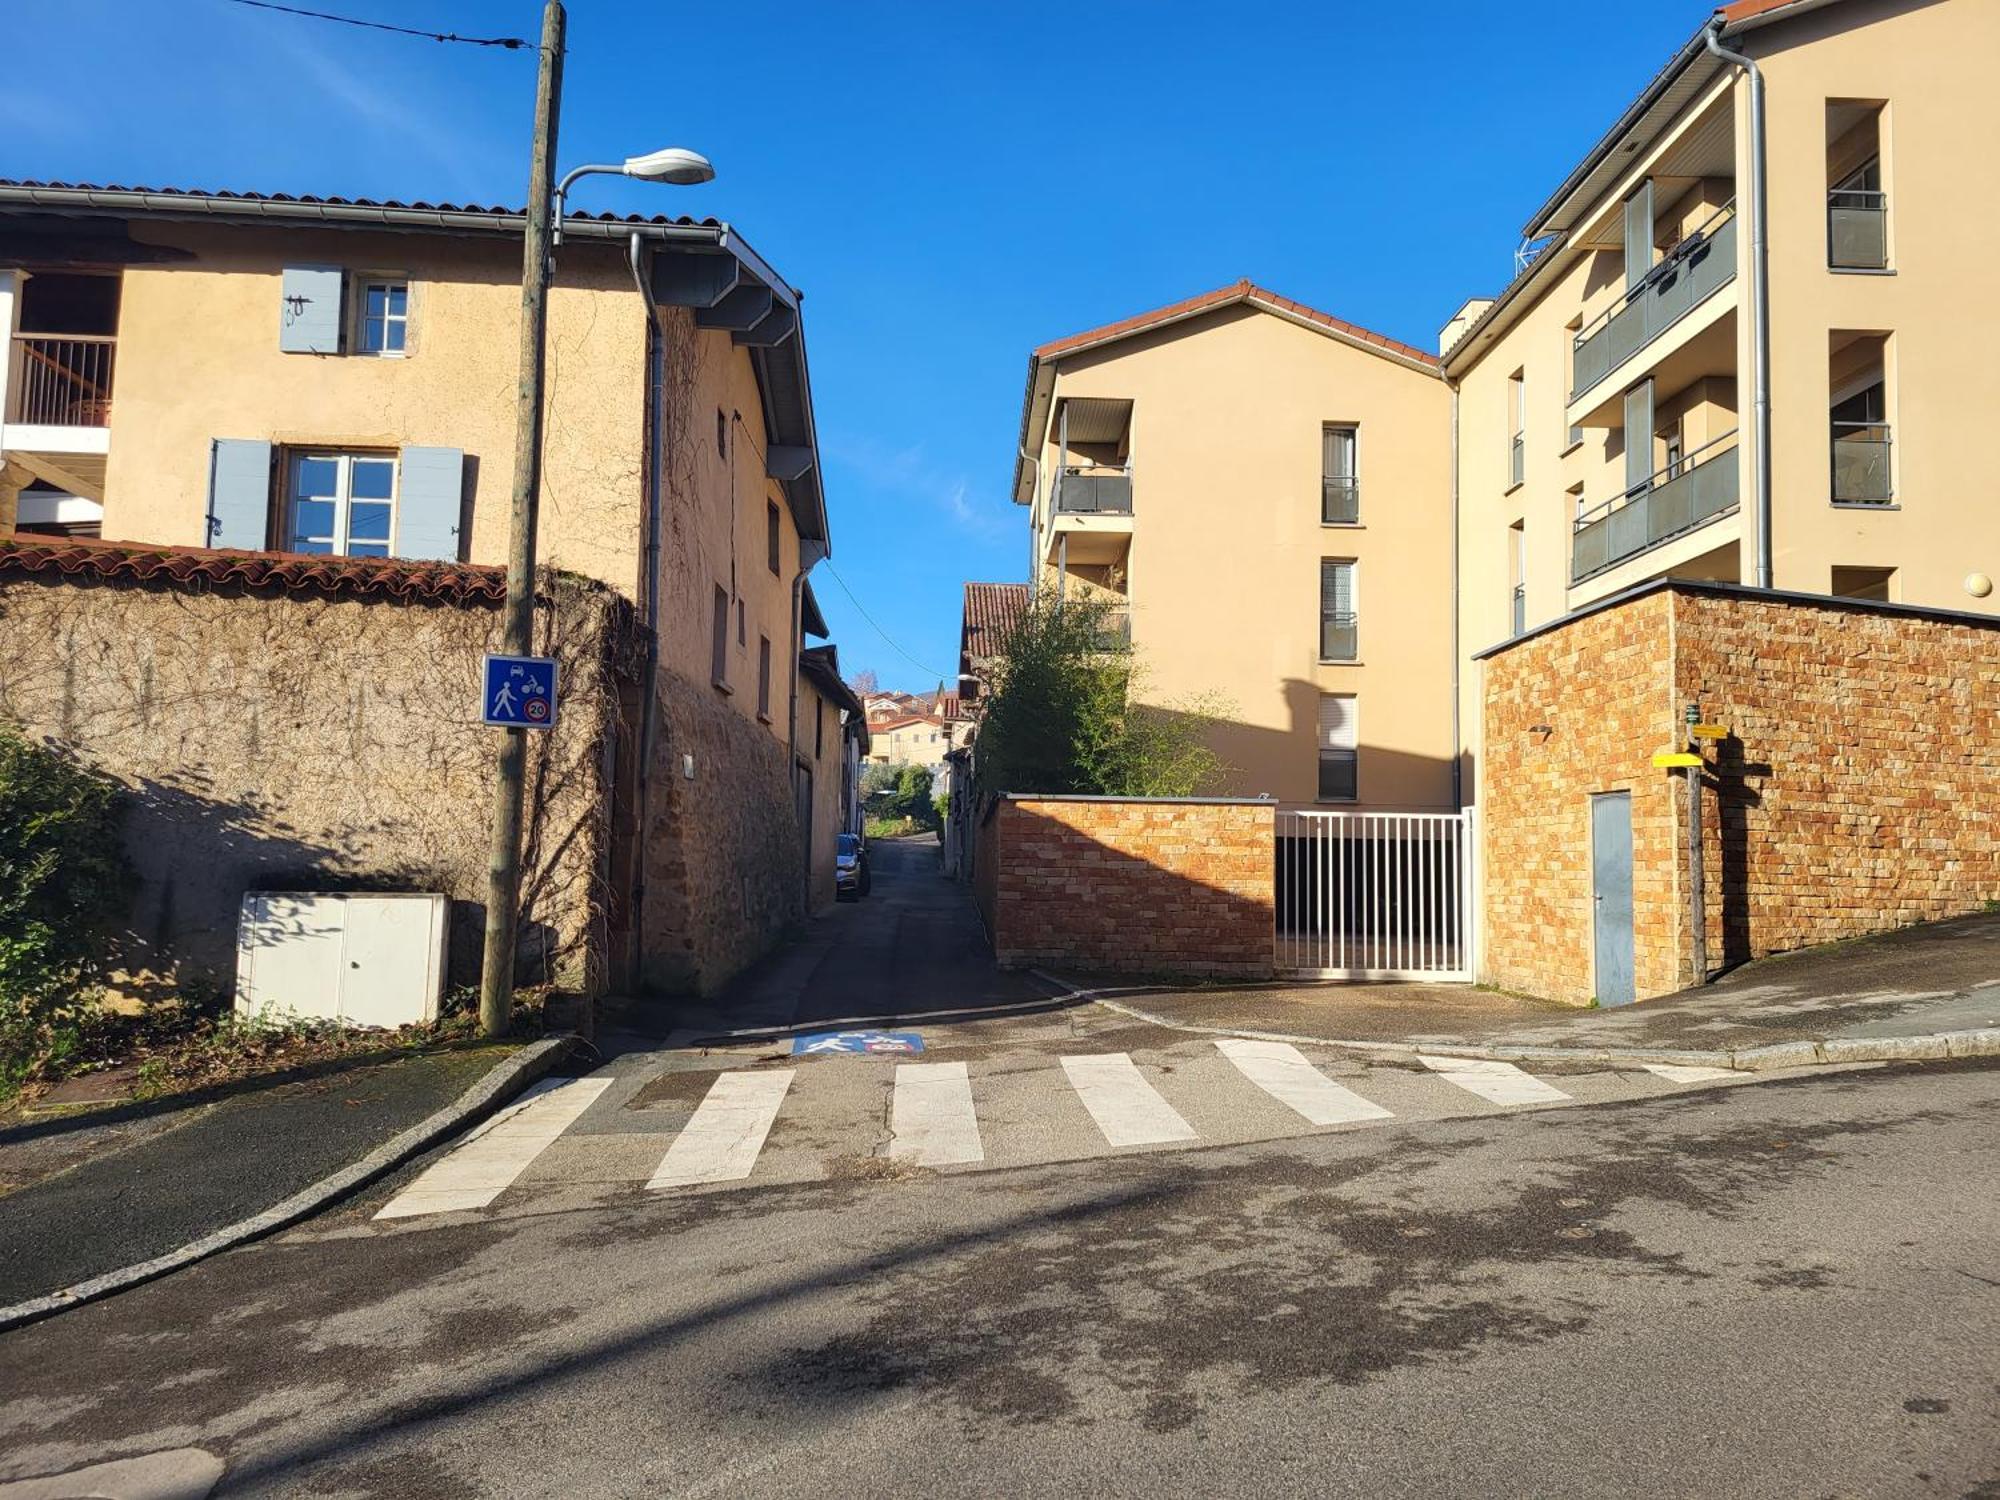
(1671, 503)
(1518, 619)
(1695, 269)
(1114, 630)
(1861, 464)
(1339, 637)
(1857, 229)
(61, 380)
(1093, 490)
(1339, 502)
(1517, 460)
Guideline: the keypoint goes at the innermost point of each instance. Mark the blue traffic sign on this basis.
(876, 1042)
(520, 692)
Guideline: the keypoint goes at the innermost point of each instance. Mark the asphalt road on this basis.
(1786, 1289)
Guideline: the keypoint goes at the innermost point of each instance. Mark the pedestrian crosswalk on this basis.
(623, 1129)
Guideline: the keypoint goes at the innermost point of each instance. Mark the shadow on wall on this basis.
(196, 856)
(1283, 764)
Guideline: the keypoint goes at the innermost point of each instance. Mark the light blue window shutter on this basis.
(427, 503)
(309, 311)
(239, 493)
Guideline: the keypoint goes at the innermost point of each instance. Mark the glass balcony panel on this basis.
(1857, 229)
(1861, 463)
(1338, 637)
(1340, 502)
(1083, 494)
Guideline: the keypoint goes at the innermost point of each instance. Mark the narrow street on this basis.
(1626, 1285)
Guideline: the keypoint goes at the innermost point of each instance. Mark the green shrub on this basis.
(63, 884)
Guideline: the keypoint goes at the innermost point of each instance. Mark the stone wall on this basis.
(1571, 712)
(1134, 885)
(1857, 792)
(305, 737)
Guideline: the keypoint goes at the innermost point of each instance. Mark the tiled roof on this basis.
(991, 609)
(249, 200)
(1241, 291)
(259, 572)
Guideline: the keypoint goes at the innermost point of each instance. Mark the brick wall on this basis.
(1139, 886)
(1857, 793)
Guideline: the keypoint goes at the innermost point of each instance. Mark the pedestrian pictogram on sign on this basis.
(871, 1042)
(519, 692)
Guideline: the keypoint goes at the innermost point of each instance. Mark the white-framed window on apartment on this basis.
(1339, 624)
(1339, 747)
(340, 503)
(1340, 486)
(382, 313)
(1572, 432)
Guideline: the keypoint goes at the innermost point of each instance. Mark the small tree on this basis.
(864, 683)
(63, 884)
(913, 796)
(1064, 715)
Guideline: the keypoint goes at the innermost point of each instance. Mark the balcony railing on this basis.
(1339, 637)
(1684, 495)
(1114, 630)
(1339, 502)
(1861, 464)
(1520, 608)
(1082, 491)
(61, 379)
(1857, 229)
(1698, 266)
(1517, 460)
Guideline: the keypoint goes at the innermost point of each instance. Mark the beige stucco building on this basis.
(1261, 491)
(1688, 382)
(328, 377)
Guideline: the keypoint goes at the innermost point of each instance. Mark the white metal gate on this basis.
(1375, 895)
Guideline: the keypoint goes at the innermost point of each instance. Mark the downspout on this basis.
(649, 588)
(809, 555)
(1457, 732)
(1760, 305)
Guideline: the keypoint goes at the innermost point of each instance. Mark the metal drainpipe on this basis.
(1457, 742)
(649, 589)
(1760, 305)
(809, 555)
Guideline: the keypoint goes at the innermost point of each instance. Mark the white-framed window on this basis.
(341, 503)
(383, 310)
(1339, 742)
(1339, 623)
(1339, 488)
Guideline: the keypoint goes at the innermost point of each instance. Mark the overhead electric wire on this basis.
(939, 676)
(511, 43)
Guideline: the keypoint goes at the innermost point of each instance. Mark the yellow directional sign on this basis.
(1667, 758)
(1709, 731)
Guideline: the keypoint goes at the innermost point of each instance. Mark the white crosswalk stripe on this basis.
(932, 1117)
(1127, 1109)
(486, 1165)
(1495, 1082)
(722, 1140)
(1283, 1072)
(1677, 1073)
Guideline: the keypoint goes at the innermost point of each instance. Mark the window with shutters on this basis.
(1339, 626)
(382, 308)
(718, 643)
(1339, 485)
(1339, 744)
(764, 678)
(340, 503)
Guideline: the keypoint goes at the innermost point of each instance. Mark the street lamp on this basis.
(676, 165)
(503, 873)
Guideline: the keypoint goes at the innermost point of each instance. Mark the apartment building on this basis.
(1259, 492)
(1608, 401)
(336, 378)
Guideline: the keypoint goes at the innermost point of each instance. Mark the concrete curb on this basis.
(1936, 1047)
(500, 1084)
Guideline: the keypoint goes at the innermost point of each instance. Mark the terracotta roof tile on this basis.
(258, 572)
(1240, 291)
(991, 610)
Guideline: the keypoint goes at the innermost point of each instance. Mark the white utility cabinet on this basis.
(365, 958)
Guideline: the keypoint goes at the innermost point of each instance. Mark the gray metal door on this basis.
(1611, 891)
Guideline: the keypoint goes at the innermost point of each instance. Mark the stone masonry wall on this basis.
(1860, 787)
(300, 740)
(1574, 711)
(1139, 886)
(1858, 791)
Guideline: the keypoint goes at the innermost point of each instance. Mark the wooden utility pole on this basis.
(503, 876)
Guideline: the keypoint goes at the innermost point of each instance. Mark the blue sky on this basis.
(949, 184)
